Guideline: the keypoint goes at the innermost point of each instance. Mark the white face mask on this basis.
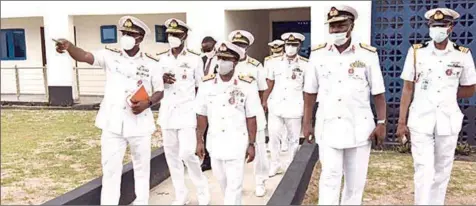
(127, 42)
(339, 38)
(174, 42)
(290, 50)
(438, 34)
(224, 67)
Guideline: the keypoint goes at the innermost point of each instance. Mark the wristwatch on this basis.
(252, 144)
(381, 121)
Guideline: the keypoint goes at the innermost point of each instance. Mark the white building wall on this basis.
(222, 18)
(30, 70)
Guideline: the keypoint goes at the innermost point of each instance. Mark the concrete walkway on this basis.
(163, 194)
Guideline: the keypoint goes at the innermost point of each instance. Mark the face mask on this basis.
(339, 38)
(438, 34)
(290, 50)
(224, 67)
(174, 42)
(127, 42)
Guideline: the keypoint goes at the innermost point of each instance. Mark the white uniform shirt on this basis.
(286, 100)
(439, 74)
(123, 75)
(176, 109)
(344, 82)
(252, 68)
(227, 105)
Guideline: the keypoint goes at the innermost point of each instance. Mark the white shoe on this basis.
(204, 199)
(284, 147)
(274, 171)
(260, 190)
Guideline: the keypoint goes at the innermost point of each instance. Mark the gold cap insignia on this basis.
(291, 37)
(438, 15)
(128, 23)
(223, 47)
(173, 24)
(238, 35)
(333, 12)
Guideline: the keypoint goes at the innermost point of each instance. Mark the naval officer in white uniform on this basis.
(122, 123)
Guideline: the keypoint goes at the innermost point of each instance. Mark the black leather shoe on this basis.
(206, 167)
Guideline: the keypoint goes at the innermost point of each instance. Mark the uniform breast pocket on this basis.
(187, 74)
(357, 79)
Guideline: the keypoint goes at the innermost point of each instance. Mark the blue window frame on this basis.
(108, 34)
(12, 44)
(160, 35)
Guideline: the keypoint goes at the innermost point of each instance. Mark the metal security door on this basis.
(396, 24)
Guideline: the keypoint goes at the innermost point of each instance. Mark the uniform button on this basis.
(125, 92)
(338, 117)
(340, 64)
(438, 91)
(340, 81)
(439, 77)
(124, 108)
(222, 130)
(440, 61)
(339, 100)
(174, 93)
(437, 106)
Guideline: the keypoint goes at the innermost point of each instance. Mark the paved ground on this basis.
(163, 194)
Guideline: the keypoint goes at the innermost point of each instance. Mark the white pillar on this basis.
(362, 28)
(59, 66)
(205, 22)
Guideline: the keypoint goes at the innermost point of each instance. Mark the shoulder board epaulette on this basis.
(419, 46)
(113, 49)
(268, 58)
(320, 46)
(193, 52)
(461, 48)
(246, 78)
(368, 47)
(253, 61)
(304, 59)
(162, 52)
(151, 57)
(208, 77)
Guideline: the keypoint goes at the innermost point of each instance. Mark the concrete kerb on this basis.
(292, 188)
(90, 193)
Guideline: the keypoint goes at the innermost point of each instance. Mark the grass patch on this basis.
(390, 181)
(46, 153)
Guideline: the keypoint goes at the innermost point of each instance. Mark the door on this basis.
(303, 27)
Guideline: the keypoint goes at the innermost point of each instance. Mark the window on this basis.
(108, 34)
(12, 44)
(160, 35)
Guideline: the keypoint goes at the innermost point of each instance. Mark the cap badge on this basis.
(238, 35)
(333, 12)
(173, 24)
(438, 15)
(128, 23)
(223, 47)
(291, 38)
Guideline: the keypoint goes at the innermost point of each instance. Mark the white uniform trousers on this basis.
(113, 148)
(229, 174)
(180, 145)
(276, 127)
(261, 162)
(350, 162)
(433, 161)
